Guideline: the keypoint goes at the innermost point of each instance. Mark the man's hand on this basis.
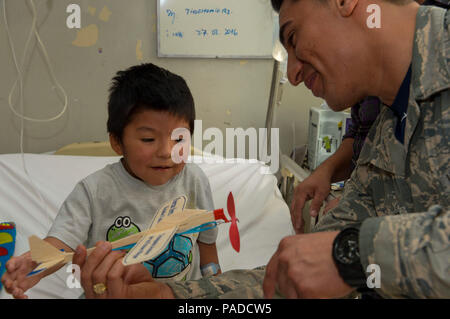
(303, 267)
(315, 187)
(331, 204)
(105, 266)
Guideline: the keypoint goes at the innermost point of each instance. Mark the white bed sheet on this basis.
(263, 214)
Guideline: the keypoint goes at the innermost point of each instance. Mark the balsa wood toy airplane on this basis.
(172, 218)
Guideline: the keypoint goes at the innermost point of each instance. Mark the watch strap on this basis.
(353, 274)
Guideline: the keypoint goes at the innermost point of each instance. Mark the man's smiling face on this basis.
(321, 52)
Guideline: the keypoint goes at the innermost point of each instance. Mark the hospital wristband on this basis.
(210, 269)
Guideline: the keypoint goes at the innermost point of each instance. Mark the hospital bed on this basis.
(32, 198)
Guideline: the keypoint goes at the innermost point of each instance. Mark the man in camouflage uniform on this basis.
(397, 198)
(397, 179)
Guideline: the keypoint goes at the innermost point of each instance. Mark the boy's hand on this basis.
(15, 278)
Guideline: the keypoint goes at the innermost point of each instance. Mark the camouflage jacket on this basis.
(392, 191)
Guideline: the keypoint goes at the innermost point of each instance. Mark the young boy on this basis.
(146, 104)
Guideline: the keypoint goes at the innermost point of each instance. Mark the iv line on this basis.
(20, 77)
(20, 80)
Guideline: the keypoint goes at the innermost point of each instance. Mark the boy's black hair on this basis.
(147, 87)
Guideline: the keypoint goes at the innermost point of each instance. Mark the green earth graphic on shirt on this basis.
(122, 227)
(174, 261)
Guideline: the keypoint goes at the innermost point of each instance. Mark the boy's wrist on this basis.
(210, 269)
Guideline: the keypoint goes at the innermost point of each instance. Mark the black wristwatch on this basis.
(346, 257)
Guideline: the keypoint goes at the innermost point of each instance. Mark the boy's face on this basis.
(147, 146)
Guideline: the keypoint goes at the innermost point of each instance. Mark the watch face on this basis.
(347, 249)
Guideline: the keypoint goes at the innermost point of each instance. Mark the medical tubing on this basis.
(19, 80)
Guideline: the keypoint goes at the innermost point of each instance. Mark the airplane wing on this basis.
(45, 254)
(154, 240)
(170, 219)
(46, 265)
(41, 251)
(172, 206)
(149, 246)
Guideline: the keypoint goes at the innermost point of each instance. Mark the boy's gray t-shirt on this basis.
(111, 204)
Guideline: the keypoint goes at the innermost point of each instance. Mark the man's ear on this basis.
(346, 7)
(115, 144)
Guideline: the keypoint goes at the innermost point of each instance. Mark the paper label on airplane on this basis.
(176, 204)
(149, 246)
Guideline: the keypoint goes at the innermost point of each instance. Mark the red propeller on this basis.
(234, 232)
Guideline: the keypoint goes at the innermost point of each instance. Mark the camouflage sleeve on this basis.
(231, 284)
(412, 251)
(353, 208)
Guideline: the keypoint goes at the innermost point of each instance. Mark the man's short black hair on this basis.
(147, 87)
(276, 5)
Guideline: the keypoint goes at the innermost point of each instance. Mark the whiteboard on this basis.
(216, 28)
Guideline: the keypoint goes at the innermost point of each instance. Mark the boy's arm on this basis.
(15, 279)
(75, 210)
(208, 254)
(58, 244)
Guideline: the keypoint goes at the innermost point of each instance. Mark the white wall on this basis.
(227, 92)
